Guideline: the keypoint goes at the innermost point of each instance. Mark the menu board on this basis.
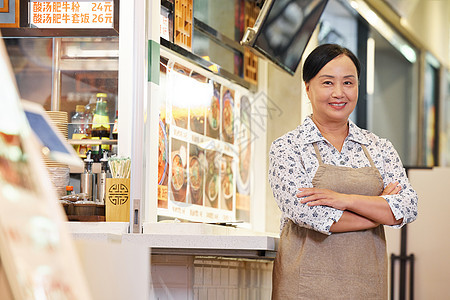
(71, 14)
(199, 150)
(36, 251)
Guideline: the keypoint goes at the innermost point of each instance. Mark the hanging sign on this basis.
(71, 14)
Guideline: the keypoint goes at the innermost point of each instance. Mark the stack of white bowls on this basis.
(59, 173)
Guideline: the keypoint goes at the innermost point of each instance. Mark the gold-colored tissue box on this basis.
(117, 200)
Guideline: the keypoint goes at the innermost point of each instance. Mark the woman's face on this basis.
(333, 92)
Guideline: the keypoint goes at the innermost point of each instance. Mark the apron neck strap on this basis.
(366, 152)
(319, 158)
(368, 155)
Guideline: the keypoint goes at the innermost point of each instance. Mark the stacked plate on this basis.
(60, 120)
(60, 179)
(59, 173)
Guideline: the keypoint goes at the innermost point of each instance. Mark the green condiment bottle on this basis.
(100, 126)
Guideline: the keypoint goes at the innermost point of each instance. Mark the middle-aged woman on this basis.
(336, 185)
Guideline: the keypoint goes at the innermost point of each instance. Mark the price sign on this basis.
(71, 14)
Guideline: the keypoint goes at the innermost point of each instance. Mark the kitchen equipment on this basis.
(101, 179)
(87, 184)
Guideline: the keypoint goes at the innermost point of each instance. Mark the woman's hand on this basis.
(326, 197)
(392, 188)
(316, 196)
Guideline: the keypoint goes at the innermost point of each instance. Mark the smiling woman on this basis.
(333, 93)
(337, 185)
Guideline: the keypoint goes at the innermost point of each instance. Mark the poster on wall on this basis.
(200, 125)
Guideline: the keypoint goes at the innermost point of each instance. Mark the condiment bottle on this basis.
(100, 126)
(87, 178)
(69, 189)
(101, 180)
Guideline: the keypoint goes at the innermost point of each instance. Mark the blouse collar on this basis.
(309, 133)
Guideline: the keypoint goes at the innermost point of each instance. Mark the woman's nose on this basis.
(338, 91)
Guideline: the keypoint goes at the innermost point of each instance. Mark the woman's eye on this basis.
(327, 82)
(348, 82)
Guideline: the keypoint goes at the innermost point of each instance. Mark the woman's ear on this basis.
(307, 87)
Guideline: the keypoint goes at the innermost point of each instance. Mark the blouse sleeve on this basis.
(404, 204)
(286, 175)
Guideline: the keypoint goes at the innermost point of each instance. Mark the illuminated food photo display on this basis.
(201, 143)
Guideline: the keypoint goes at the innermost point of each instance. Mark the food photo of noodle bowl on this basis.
(178, 173)
(214, 111)
(227, 115)
(212, 189)
(195, 180)
(227, 186)
(227, 191)
(195, 173)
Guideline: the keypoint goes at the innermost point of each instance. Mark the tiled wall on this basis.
(188, 277)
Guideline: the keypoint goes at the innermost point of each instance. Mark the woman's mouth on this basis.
(337, 105)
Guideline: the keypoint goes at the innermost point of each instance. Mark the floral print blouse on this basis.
(293, 164)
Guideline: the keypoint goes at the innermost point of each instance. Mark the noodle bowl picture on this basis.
(227, 186)
(212, 188)
(227, 115)
(214, 111)
(177, 172)
(195, 174)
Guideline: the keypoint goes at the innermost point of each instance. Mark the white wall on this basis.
(284, 92)
(429, 20)
(428, 236)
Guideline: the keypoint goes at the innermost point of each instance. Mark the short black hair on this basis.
(322, 55)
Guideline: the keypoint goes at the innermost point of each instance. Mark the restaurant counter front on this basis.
(195, 260)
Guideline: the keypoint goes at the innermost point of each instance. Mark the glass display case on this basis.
(75, 79)
(65, 73)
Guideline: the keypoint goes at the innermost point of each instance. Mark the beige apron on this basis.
(350, 265)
